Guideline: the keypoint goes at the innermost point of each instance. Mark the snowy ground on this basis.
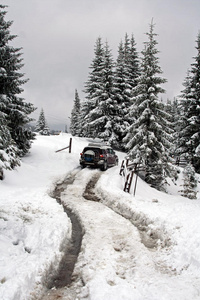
(116, 261)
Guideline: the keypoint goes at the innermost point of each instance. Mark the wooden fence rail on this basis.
(70, 147)
(127, 170)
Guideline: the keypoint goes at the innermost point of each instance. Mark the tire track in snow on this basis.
(111, 255)
(59, 283)
(150, 241)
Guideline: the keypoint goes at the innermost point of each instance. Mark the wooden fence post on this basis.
(135, 184)
(70, 145)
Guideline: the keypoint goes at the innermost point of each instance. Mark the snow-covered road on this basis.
(116, 261)
(113, 262)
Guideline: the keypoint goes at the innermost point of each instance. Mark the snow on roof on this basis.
(102, 144)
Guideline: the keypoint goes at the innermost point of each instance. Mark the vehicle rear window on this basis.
(97, 151)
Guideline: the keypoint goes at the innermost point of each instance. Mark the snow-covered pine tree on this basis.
(190, 107)
(173, 113)
(189, 182)
(9, 156)
(16, 109)
(126, 73)
(84, 111)
(131, 65)
(184, 132)
(102, 116)
(121, 97)
(99, 106)
(41, 125)
(148, 138)
(93, 89)
(134, 64)
(75, 125)
(106, 108)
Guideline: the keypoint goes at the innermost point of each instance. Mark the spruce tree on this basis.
(189, 182)
(173, 115)
(106, 107)
(148, 138)
(100, 107)
(131, 64)
(184, 146)
(15, 109)
(84, 111)
(101, 117)
(122, 96)
(134, 64)
(42, 126)
(126, 73)
(75, 125)
(9, 157)
(93, 89)
(190, 106)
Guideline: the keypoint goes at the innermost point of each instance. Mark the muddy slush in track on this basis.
(66, 266)
(89, 193)
(64, 284)
(60, 285)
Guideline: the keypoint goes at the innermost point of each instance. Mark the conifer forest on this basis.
(123, 106)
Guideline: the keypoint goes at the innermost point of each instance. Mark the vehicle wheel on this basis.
(105, 166)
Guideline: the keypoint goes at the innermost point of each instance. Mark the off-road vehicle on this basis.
(98, 155)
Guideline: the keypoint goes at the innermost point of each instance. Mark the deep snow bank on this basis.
(171, 219)
(33, 226)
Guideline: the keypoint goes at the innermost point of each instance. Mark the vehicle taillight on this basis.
(101, 156)
(81, 154)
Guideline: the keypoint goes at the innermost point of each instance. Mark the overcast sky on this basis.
(58, 38)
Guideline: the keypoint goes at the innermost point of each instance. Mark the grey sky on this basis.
(58, 38)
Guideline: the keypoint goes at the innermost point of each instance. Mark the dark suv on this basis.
(98, 155)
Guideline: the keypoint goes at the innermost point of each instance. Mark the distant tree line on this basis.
(15, 136)
(123, 106)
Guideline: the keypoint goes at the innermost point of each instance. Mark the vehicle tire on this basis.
(104, 166)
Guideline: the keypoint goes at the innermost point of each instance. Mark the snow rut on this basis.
(63, 276)
(110, 243)
(112, 254)
(58, 284)
(150, 237)
(89, 193)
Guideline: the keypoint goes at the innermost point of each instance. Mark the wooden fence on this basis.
(128, 170)
(70, 146)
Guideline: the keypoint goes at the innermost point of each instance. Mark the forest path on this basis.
(114, 262)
